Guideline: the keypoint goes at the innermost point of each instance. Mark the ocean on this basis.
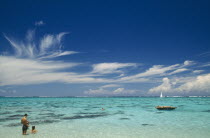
(125, 117)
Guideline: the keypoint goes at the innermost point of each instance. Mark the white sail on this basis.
(161, 95)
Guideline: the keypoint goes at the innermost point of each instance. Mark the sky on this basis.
(104, 48)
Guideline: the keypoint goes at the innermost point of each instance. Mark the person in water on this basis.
(33, 131)
(25, 123)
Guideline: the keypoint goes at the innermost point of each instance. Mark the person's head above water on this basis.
(25, 115)
(33, 127)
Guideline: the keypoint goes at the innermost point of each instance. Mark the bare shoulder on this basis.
(34, 131)
(23, 118)
(24, 121)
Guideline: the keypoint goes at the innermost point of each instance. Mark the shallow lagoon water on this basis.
(122, 118)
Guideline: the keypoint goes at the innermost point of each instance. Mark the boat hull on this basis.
(165, 108)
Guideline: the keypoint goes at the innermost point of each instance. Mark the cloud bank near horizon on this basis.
(197, 84)
(111, 89)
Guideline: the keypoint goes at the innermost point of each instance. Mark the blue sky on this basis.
(99, 48)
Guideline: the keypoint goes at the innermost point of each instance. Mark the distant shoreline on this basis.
(103, 97)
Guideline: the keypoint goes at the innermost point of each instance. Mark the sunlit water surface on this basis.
(122, 117)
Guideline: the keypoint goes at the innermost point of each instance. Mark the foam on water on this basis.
(122, 117)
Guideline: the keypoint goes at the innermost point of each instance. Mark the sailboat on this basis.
(161, 95)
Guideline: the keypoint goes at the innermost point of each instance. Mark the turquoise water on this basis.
(122, 117)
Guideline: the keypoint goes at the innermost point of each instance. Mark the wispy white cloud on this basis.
(51, 43)
(14, 71)
(189, 63)
(198, 71)
(28, 66)
(110, 86)
(103, 90)
(158, 71)
(22, 50)
(205, 65)
(58, 54)
(7, 91)
(178, 71)
(39, 23)
(98, 91)
(108, 68)
(155, 70)
(49, 46)
(205, 54)
(125, 91)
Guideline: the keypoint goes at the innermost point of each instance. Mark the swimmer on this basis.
(33, 131)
